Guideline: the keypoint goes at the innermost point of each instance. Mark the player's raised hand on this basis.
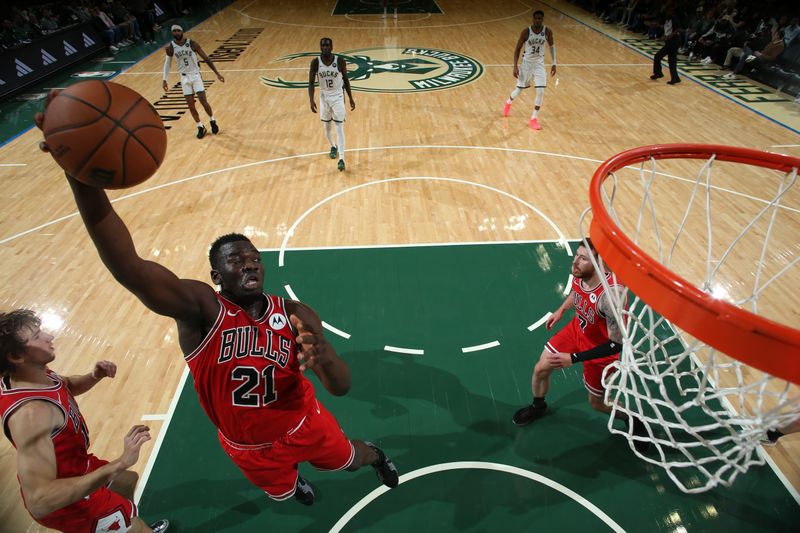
(137, 436)
(313, 343)
(104, 369)
(38, 118)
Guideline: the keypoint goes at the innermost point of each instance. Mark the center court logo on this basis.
(395, 70)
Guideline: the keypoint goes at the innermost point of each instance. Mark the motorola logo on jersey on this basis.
(277, 321)
(394, 69)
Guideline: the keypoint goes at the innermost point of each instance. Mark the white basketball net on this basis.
(705, 413)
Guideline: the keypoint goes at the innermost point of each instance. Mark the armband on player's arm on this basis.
(602, 350)
(167, 65)
(553, 53)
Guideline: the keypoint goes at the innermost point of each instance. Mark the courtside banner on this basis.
(23, 66)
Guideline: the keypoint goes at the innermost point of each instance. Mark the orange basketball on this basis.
(105, 134)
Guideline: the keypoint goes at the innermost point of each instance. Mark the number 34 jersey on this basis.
(247, 375)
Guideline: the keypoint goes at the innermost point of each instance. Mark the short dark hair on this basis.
(538, 12)
(11, 325)
(326, 39)
(590, 244)
(213, 252)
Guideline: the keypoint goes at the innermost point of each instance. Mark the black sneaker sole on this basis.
(528, 414)
(214, 128)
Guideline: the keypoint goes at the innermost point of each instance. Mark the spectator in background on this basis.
(48, 22)
(768, 54)
(791, 31)
(139, 9)
(123, 19)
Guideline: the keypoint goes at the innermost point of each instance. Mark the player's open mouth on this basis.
(251, 283)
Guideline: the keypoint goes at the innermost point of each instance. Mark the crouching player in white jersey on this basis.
(330, 72)
(534, 38)
(185, 52)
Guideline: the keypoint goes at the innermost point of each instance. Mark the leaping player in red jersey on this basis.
(593, 337)
(247, 352)
(64, 487)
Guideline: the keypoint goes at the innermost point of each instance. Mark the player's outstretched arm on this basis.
(316, 352)
(79, 384)
(30, 428)
(158, 288)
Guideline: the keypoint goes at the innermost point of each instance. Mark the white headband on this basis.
(176, 27)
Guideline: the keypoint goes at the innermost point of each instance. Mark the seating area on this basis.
(757, 39)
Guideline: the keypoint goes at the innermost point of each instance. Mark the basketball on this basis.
(105, 134)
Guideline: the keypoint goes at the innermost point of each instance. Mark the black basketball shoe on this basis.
(385, 468)
(640, 430)
(214, 127)
(528, 414)
(160, 526)
(201, 131)
(303, 492)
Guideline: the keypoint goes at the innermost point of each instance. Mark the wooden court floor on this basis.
(424, 166)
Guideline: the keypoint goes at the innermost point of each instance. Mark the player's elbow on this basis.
(37, 504)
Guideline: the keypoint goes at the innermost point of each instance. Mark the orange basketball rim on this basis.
(752, 339)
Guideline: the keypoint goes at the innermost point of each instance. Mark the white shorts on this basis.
(331, 108)
(535, 71)
(192, 83)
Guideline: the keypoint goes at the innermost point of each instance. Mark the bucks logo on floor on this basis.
(394, 70)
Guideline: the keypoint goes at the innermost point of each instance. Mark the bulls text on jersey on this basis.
(246, 341)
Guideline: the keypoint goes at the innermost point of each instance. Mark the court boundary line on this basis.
(148, 468)
(478, 465)
(685, 74)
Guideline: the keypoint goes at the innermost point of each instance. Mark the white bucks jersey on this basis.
(329, 78)
(185, 58)
(534, 46)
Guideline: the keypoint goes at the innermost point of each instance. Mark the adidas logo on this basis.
(87, 41)
(47, 58)
(158, 10)
(68, 48)
(22, 68)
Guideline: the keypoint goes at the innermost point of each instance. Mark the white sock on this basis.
(212, 119)
(535, 113)
(340, 137)
(329, 132)
(199, 124)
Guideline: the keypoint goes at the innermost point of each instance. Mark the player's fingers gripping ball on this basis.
(104, 134)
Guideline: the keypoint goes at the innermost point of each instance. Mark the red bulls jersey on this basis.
(589, 318)
(247, 375)
(71, 440)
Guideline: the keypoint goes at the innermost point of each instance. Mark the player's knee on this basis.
(138, 526)
(597, 403)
